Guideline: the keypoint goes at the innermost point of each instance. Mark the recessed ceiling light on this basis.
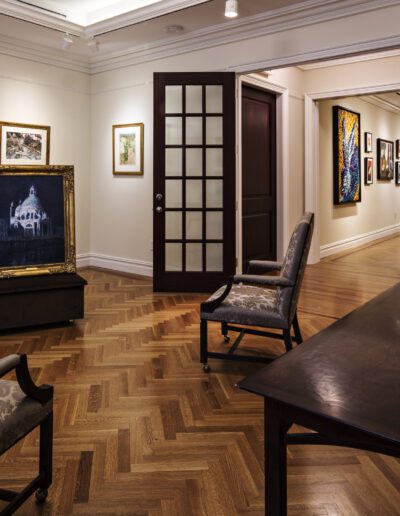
(231, 8)
(174, 29)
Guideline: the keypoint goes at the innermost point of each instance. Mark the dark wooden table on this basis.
(343, 383)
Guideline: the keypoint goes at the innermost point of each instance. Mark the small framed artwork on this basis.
(368, 171)
(37, 224)
(346, 156)
(128, 145)
(397, 149)
(23, 144)
(397, 172)
(368, 142)
(385, 155)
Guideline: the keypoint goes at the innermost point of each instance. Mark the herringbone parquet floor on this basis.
(141, 430)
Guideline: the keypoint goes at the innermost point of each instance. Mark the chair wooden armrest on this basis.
(272, 281)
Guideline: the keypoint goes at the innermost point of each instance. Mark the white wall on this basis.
(39, 94)
(379, 208)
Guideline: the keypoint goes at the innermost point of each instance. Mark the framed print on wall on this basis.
(37, 224)
(385, 155)
(397, 172)
(397, 149)
(346, 156)
(368, 171)
(368, 142)
(128, 145)
(24, 144)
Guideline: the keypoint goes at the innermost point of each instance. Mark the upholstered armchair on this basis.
(23, 407)
(257, 299)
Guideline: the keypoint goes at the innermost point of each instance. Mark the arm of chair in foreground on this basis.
(23, 407)
(271, 281)
(263, 266)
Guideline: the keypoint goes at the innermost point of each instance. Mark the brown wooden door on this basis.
(258, 175)
(194, 180)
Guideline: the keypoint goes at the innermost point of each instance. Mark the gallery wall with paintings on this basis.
(359, 188)
(45, 118)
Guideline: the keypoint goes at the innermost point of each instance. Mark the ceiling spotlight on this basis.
(93, 45)
(231, 8)
(66, 42)
(174, 29)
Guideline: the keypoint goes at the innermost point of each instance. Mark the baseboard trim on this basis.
(115, 263)
(357, 241)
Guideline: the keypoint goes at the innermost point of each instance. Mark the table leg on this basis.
(275, 460)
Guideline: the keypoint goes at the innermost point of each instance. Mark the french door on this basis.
(194, 180)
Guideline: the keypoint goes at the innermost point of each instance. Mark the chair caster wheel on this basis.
(41, 495)
(227, 338)
(206, 368)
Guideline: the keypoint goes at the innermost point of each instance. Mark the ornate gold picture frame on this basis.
(37, 220)
(128, 149)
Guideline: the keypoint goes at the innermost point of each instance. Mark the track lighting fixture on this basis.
(231, 8)
(66, 42)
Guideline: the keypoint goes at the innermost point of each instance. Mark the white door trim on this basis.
(282, 161)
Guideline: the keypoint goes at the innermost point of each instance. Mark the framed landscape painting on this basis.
(128, 145)
(368, 171)
(37, 227)
(346, 156)
(23, 144)
(385, 156)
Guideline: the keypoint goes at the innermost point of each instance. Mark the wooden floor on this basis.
(141, 430)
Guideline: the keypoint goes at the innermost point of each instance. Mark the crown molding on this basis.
(350, 60)
(382, 104)
(279, 20)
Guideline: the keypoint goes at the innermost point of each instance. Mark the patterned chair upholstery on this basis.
(23, 407)
(256, 299)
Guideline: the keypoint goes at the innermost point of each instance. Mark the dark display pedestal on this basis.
(37, 300)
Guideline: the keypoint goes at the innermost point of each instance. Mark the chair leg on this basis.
(45, 457)
(224, 331)
(287, 339)
(296, 328)
(204, 345)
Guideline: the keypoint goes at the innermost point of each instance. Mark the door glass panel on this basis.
(173, 225)
(214, 225)
(194, 194)
(173, 162)
(194, 130)
(194, 99)
(214, 130)
(173, 99)
(173, 257)
(214, 193)
(214, 257)
(173, 193)
(194, 257)
(173, 130)
(194, 225)
(214, 99)
(194, 162)
(214, 162)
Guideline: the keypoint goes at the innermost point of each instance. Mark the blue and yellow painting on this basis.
(347, 168)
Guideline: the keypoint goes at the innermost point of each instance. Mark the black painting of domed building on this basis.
(31, 220)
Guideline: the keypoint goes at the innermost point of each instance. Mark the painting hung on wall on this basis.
(368, 142)
(128, 145)
(385, 155)
(23, 144)
(37, 233)
(368, 171)
(346, 156)
(397, 172)
(397, 149)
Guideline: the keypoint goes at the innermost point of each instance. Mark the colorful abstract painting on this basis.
(346, 156)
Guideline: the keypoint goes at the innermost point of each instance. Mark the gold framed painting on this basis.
(128, 149)
(24, 144)
(37, 220)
